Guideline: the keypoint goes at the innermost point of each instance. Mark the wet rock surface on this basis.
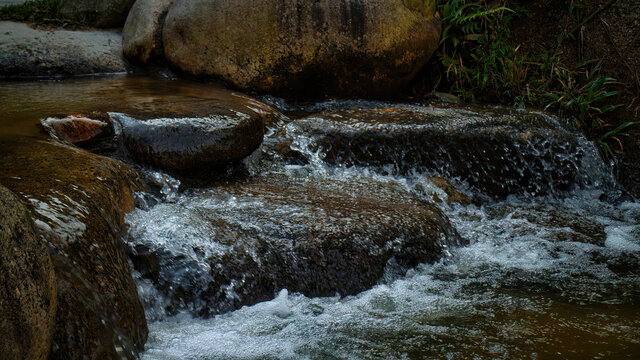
(27, 287)
(79, 200)
(497, 151)
(240, 243)
(192, 144)
(357, 48)
(28, 52)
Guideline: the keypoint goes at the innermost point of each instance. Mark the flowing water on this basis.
(548, 276)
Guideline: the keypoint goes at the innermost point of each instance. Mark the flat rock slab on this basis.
(28, 52)
(498, 151)
(239, 243)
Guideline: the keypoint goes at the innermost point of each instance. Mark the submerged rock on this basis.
(79, 200)
(312, 48)
(496, 151)
(142, 32)
(27, 286)
(98, 13)
(559, 225)
(453, 195)
(240, 243)
(78, 128)
(29, 52)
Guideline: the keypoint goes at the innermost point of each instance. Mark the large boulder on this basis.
(299, 47)
(79, 200)
(241, 242)
(98, 13)
(28, 287)
(496, 151)
(142, 32)
(26, 52)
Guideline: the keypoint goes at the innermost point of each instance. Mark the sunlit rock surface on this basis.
(496, 151)
(239, 243)
(78, 128)
(312, 48)
(79, 200)
(27, 287)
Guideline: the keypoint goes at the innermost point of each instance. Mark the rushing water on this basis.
(555, 276)
(552, 276)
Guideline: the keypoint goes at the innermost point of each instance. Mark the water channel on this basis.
(545, 275)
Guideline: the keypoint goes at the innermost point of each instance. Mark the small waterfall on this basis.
(562, 257)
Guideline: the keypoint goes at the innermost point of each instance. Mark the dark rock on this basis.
(240, 243)
(78, 128)
(28, 287)
(79, 200)
(30, 52)
(497, 151)
(194, 143)
(304, 48)
(98, 13)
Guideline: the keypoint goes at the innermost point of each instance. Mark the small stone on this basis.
(77, 128)
(453, 194)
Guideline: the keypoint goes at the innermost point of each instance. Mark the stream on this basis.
(546, 274)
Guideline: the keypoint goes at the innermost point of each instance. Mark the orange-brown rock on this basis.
(77, 128)
(79, 200)
(298, 47)
(27, 285)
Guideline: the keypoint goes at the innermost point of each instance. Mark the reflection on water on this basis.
(24, 103)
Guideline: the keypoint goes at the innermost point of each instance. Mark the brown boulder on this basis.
(313, 48)
(142, 32)
(79, 200)
(28, 287)
(243, 241)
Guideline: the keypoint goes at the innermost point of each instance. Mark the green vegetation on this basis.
(41, 13)
(479, 61)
